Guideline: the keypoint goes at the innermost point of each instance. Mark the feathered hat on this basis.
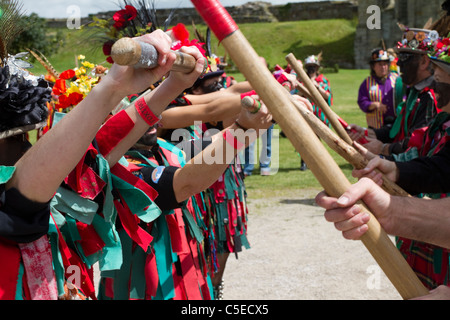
(440, 55)
(314, 60)
(379, 55)
(417, 40)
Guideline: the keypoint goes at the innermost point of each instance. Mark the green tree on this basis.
(36, 36)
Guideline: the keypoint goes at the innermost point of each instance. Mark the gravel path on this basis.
(296, 254)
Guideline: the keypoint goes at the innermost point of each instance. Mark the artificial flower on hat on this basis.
(417, 40)
(314, 59)
(181, 35)
(122, 17)
(440, 53)
(73, 85)
(380, 55)
(130, 21)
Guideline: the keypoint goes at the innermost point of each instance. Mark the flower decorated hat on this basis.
(136, 20)
(415, 40)
(379, 55)
(314, 60)
(440, 54)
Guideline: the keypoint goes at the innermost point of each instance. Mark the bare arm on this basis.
(413, 218)
(216, 110)
(238, 88)
(204, 169)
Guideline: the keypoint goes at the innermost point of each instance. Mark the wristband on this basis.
(255, 107)
(232, 140)
(247, 94)
(145, 112)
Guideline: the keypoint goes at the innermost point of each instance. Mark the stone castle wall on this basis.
(251, 12)
(413, 13)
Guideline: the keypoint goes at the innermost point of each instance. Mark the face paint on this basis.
(408, 64)
(311, 70)
(213, 87)
(150, 138)
(442, 89)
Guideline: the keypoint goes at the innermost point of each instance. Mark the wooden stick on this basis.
(306, 142)
(128, 52)
(349, 153)
(318, 99)
(305, 93)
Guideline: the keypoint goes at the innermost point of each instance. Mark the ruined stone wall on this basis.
(412, 13)
(257, 11)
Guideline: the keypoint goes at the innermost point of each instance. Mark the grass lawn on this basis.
(345, 85)
(273, 41)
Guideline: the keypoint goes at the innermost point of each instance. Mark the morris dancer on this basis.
(420, 105)
(40, 171)
(376, 96)
(183, 273)
(429, 261)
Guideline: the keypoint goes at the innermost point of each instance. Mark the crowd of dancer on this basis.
(144, 176)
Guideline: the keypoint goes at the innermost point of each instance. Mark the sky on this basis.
(64, 8)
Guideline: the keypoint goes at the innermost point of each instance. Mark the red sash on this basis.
(9, 270)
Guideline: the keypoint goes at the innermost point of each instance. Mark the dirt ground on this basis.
(297, 255)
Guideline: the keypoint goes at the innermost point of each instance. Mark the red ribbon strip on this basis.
(9, 269)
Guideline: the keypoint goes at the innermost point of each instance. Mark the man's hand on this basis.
(127, 80)
(348, 217)
(373, 145)
(303, 100)
(379, 106)
(186, 80)
(440, 293)
(260, 120)
(388, 168)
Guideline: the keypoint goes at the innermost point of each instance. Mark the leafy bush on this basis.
(36, 36)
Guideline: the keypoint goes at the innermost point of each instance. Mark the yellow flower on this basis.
(81, 57)
(79, 72)
(73, 88)
(87, 64)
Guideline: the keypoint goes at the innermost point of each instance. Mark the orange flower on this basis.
(420, 36)
(59, 87)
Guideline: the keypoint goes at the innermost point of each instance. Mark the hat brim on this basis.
(21, 130)
(379, 60)
(409, 50)
(212, 74)
(441, 64)
(312, 64)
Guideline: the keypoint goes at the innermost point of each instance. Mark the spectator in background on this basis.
(376, 95)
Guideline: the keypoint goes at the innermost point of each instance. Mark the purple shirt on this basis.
(372, 90)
